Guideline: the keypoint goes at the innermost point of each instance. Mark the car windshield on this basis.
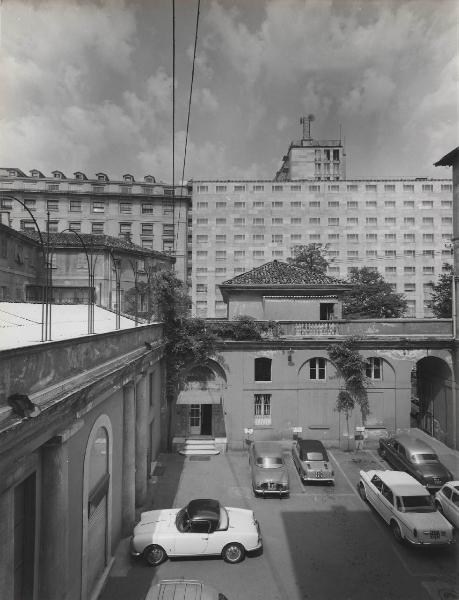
(424, 458)
(269, 462)
(417, 504)
(182, 521)
(315, 456)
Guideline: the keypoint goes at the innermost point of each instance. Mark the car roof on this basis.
(311, 445)
(204, 509)
(413, 444)
(180, 589)
(401, 483)
(267, 449)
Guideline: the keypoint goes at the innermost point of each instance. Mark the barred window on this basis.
(373, 368)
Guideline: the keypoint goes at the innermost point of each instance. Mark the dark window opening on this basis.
(262, 369)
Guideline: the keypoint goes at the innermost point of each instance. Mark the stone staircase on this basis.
(199, 446)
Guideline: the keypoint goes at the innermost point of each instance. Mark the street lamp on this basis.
(46, 296)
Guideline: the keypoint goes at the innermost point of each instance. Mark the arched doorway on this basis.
(434, 397)
(96, 505)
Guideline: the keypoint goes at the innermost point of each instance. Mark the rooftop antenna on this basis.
(306, 122)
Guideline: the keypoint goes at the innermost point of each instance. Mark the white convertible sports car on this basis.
(406, 506)
(203, 527)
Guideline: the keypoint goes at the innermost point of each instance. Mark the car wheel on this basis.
(362, 492)
(154, 555)
(396, 531)
(233, 553)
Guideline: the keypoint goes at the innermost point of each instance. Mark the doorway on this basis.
(200, 416)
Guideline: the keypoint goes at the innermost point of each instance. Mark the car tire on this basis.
(396, 532)
(362, 492)
(154, 555)
(233, 553)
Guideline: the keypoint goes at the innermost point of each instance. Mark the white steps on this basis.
(197, 446)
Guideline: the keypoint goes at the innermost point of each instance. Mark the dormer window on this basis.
(58, 175)
(128, 178)
(102, 177)
(36, 173)
(79, 175)
(149, 179)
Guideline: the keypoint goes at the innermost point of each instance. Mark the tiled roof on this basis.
(448, 159)
(280, 273)
(69, 240)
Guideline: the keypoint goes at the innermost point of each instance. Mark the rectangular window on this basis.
(147, 208)
(277, 188)
(371, 253)
(352, 187)
(201, 253)
(408, 203)
(147, 228)
(278, 253)
(428, 253)
(277, 204)
(333, 188)
(277, 220)
(351, 254)
(203, 204)
(427, 204)
(295, 188)
(371, 221)
(125, 227)
(295, 236)
(370, 204)
(295, 204)
(409, 286)
(446, 220)
(446, 187)
(75, 205)
(408, 187)
(52, 187)
(239, 253)
(352, 221)
(409, 270)
(427, 270)
(98, 206)
(168, 230)
(352, 237)
(220, 254)
(262, 409)
(220, 221)
(220, 270)
(220, 188)
(258, 204)
(371, 188)
(409, 253)
(258, 253)
(277, 238)
(168, 246)
(220, 238)
(314, 220)
(202, 238)
(239, 204)
(390, 253)
(389, 221)
(239, 188)
(427, 221)
(220, 204)
(317, 368)
(75, 227)
(390, 270)
(168, 205)
(389, 187)
(147, 244)
(258, 188)
(239, 222)
(446, 203)
(427, 187)
(125, 208)
(295, 221)
(389, 203)
(389, 237)
(52, 205)
(201, 270)
(53, 226)
(239, 237)
(203, 188)
(314, 237)
(408, 220)
(314, 204)
(428, 237)
(97, 228)
(333, 221)
(202, 221)
(374, 368)
(333, 204)
(201, 287)
(352, 204)
(333, 236)
(147, 190)
(258, 221)
(409, 237)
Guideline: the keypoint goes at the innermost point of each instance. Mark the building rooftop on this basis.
(20, 323)
(280, 273)
(449, 159)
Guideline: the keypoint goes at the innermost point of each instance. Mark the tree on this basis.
(372, 296)
(352, 367)
(310, 256)
(440, 302)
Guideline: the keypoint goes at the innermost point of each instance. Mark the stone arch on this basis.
(432, 403)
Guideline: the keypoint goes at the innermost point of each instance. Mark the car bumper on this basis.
(318, 479)
(431, 542)
(132, 550)
(266, 492)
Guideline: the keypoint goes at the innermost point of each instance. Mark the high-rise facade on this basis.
(149, 213)
(400, 226)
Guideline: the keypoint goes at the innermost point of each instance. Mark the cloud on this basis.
(205, 100)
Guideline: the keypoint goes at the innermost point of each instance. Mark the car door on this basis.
(374, 492)
(194, 541)
(405, 460)
(454, 508)
(386, 502)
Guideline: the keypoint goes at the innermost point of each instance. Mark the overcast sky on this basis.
(87, 85)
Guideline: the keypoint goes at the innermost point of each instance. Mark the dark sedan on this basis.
(407, 453)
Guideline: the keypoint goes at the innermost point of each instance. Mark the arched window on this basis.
(263, 369)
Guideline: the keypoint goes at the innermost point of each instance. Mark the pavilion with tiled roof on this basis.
(283, 291)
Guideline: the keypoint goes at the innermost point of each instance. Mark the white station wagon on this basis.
(203, 527)
(447, 501)
(406, 506)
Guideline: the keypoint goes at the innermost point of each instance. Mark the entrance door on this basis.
(195, 419)
(206, 419)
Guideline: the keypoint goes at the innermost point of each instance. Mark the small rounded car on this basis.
(406, 506)
(268, 468)
(447, 501)
(183, 589)
(312, 462)
(202, 528)
(406, 453)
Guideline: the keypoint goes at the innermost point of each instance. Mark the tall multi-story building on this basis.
(149, 213)
(400, 226)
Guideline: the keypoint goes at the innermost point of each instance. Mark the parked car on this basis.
(407, 453)
(312, 462)
(203, 527)
(268, 468)
(183, 589)
(406, 506)
(447, 501)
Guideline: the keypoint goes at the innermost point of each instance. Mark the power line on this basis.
(173, 114)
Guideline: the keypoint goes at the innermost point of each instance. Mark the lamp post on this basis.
(46, 296)
(117, 268)
(91, 261)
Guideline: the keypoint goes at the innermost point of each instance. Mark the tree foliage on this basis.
(440, 302)
(311, 256)
(244, 327)
(352, 366)
(372, 296)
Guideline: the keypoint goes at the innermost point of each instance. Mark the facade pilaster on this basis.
(141, 441)
(129, 458)
(54, 521)
(7, 543)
